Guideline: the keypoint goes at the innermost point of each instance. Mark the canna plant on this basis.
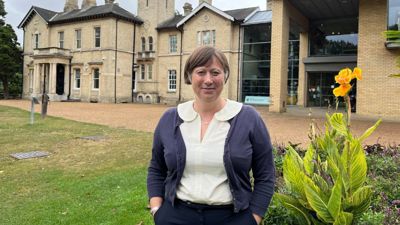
(328, 184)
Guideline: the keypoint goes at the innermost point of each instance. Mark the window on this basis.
(61, 39)
(394, 15)
(150, 43)
(166, 4)
(143, 44)
(78, 38)
(150, 72)
(77, 84)
(171, 80)
(36, 40)
(97, 37)
(173, 44)
(96, 78)
(206, 37)
(147, 3)
(142, 72)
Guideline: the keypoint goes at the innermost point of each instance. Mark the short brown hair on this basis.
(203, 56)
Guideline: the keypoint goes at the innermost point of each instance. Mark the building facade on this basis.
(286, 55)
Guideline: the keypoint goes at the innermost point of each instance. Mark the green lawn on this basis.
(81, 182)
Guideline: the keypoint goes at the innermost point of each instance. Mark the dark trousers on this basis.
(183, 213)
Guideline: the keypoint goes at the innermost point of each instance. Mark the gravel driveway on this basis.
(291, 126)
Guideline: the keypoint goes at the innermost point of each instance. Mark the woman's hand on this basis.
(257, 218)
(155, 204)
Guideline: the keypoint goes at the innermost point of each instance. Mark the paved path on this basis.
(291, 126)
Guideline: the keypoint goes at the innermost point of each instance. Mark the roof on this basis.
(94, 12)
(259, 17)
(200, 7)
(43, 13)
(242, 14)
(170, 23)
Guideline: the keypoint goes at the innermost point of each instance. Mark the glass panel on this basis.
(394, 15)
(78, 38)
(97, 37)
(143, 72)
(320, 90)
(334, 37)
(96, 78)
(172, 43)
(257, 33)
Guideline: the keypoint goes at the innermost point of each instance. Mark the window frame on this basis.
(97, 39)
(78, 38)
(172, 81)
(61, 41)
(150, 72)
(151, 43)
(142, 71)
(77, 80)
(173, 43)
(211, 38)
(36, 40)
(143, 44)
(94, 79)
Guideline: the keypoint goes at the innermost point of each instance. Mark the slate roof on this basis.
(107, 10)
(241, 14)
(170, 23)
(238, 14)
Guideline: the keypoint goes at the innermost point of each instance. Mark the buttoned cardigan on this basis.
(247, 147)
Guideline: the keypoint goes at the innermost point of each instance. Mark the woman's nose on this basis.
(208, 78)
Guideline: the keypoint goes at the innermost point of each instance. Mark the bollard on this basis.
(34, 101)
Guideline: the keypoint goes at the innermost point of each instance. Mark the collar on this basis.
(230, 110)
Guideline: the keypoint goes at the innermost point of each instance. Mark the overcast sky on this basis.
(17, 9)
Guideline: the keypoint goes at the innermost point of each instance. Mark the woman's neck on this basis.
(202, 107)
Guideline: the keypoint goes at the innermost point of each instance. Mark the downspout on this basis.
(133, 58)
(69, 80)
(180, 67)
(238, 87)
(23, 62)
(115, 61)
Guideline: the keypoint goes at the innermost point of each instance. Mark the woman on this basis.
(203, 151)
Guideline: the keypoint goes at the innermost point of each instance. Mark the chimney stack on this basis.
(88, 3)
(70, 5)
(187, 9)
(269, 4)
(109, 1)
(208, 1)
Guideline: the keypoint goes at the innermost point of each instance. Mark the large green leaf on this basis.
(359, 202)
(335, 201)
(369, 131)
(293, 173)
(309, 160)
(344, 218)
(316, 201)
(295, 207)
(358, 169)
(338, 123)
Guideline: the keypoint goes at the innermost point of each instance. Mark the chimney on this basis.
(269, 4)
(208, 1)
(187, 9)
(70, 5)
(88, 3)
(109, 1)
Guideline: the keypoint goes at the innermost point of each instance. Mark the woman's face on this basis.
(208, 81)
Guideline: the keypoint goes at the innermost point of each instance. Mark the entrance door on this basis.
(60, 79)
(320, 89)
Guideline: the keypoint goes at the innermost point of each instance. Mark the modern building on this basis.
(286, 55)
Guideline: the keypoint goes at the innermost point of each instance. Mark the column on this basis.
(279, 55)
(66, 80)
(53, 78)
(303, 52)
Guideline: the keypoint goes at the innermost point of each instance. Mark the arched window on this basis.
(143, 44)
(150, 43)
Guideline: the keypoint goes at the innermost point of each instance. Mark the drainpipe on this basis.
(239, 87)
(69, 81)
(133, 58)
(180, 67)
(115, 61)
(23, 62)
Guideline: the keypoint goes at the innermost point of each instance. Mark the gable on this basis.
(202, 7)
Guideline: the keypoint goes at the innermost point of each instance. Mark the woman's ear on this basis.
(226, 77)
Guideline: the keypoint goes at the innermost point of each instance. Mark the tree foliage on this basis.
(10, 53)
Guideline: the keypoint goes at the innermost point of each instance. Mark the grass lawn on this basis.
(81, 182)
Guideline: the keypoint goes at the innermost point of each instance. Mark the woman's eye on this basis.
(215, 73)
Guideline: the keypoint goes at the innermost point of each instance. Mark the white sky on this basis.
(17, 9)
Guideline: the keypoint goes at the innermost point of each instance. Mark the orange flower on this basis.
(344, 76)
(342, 90)
(356, 74)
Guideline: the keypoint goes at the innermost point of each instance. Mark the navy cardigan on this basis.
(247, 147)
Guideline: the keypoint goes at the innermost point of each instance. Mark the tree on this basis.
(10, 54)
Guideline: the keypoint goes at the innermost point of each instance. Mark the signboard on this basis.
(257, 100)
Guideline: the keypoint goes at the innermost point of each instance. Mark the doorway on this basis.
(60, 79)
(320, 89)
